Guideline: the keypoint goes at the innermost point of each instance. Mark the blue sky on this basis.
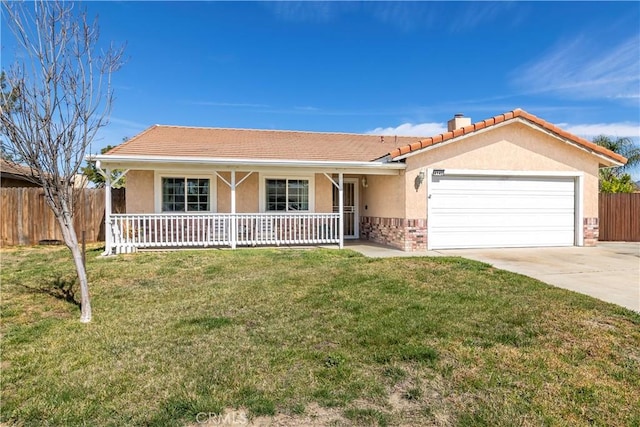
(393, 67)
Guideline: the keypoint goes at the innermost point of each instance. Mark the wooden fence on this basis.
(25, 217)
(620, 217)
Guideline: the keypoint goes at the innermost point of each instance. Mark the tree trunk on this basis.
(60, 96)
(71, 240)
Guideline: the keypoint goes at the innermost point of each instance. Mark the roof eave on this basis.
(19, 177)
(156, 162)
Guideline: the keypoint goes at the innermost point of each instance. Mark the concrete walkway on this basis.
(609, 271)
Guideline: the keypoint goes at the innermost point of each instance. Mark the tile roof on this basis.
(511, 115)
(181, 141)
(15, 170)
(254, 144)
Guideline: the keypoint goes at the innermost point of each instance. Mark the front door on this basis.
(350, 195)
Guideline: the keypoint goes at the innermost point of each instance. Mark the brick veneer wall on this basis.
(411, 234)
(591, 230)
(405, 234)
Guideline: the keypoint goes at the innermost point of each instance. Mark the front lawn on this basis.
(308, 336)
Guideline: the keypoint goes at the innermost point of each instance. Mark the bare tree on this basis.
(63, 81)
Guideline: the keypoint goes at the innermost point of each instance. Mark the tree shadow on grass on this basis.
(59, 288)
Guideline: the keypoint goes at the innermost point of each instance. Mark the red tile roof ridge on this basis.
(563, 133)
(502, 118)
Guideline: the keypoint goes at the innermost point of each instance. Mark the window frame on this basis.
(213, 183)
(301, 177)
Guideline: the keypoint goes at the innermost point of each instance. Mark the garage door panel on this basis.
(504, 239)
(492, 211)
(452, 203)
(468, 183)
(512, 219)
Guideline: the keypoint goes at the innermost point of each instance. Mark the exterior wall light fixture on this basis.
(419, 180)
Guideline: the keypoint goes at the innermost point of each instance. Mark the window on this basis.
(287, 195)
(185, 194)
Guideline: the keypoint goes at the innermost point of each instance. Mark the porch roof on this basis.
(196, 164)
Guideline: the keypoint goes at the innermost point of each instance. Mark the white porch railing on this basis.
(132, 231)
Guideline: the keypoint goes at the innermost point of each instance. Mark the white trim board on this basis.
(248, 165)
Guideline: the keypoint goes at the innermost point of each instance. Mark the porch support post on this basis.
(341, 207)
(234, 218)
(233, 225)
(108, 232)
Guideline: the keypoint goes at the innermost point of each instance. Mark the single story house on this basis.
(513, 180)
(15, 175)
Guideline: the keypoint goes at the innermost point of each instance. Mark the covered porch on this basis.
(329, 220)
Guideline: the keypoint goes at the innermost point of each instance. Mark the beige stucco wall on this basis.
(512, 147)
(246, 193)
(139, 192)
(384, 196)
(324, 194)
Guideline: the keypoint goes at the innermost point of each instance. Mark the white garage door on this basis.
(500, 211)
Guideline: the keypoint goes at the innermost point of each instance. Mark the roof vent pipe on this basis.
(458, 121)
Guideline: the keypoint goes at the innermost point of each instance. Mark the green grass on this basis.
(272, 332)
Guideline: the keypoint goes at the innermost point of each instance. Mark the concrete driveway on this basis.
(609, 271)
